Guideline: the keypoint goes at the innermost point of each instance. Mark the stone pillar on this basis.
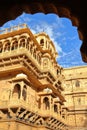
(59, 110)
(18, 43)
(22, 84)
(10, 44)
(50, 104)
(3, 47)
(26, 94)
(12, 88)
(29, 45)
(37, 56)
(42, 105)
(25, 43)
(65, 114)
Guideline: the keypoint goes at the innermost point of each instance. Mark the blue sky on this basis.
(61, 32)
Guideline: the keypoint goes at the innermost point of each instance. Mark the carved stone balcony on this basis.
(21, 110)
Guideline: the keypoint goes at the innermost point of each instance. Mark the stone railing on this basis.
(14, 28)
(31, 107)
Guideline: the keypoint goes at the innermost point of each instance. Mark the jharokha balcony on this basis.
(23, 45)
(22, 52)
(23, 106)
(31, 88)
(19, 101)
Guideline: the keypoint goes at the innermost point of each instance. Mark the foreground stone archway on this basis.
(74, 10)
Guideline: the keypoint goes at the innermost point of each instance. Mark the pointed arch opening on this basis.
(17, 91)
(46, 103)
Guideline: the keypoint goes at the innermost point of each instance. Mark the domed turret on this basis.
(46, 43)
(21, 75)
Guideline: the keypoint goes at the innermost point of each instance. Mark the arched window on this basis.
(22, 42)
(77, 83)
(42, 42)
(14, 45)
(58, 71)
(46, 103)
(55, 108)
(17, 91)
(7, 46)
(24, 92)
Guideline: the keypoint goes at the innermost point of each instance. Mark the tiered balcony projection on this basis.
(20, 49)
(24, 65)
(21, 104)
(23, 41)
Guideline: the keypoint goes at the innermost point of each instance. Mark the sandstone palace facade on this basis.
(75, 93)
(35, 92)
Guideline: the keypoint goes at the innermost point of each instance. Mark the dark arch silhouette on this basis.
(24, 94)
(42, 42)
(75, 10)
(46, 103)
(55, 108)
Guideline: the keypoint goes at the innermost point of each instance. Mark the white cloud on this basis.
(59, 22)
(49, 29)
(72, 38)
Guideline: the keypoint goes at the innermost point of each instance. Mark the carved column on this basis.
(26, 94)
(42, 105)
(50, 103)
(22, 84)
(10, 44)
(29, 46)
(12, 87)
(37, 56)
